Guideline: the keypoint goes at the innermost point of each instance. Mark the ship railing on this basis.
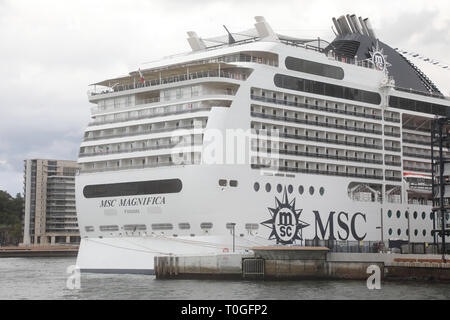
(413, 141)
(417, 155)
(325, 140)
(314, 107)
(124, 107)
(170, 80)
(138, 166)
(150, 116)
(417, 169)
(315, 123)
(390, 119)
(393, 163)
(149, 148)
(142, 132)
(394, 149)
(316, 155)
(392, 134)
(319, 172)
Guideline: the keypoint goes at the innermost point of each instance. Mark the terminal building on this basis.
(49, 191)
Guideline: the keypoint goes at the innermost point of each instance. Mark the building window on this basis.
(233, 183)
(206, 225)
(327, 89)
(109, 228)
(133, 188)
(184, 226)
(162, 226)
(135, 227)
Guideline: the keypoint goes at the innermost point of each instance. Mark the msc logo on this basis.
(379, 59)
(285, 222)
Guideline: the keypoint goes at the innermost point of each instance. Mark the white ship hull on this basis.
(134, 252)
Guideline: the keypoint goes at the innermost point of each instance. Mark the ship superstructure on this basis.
(338, 148)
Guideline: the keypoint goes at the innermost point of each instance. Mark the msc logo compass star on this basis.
(285, 223)
(379, 58)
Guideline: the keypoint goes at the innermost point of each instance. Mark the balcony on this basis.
(320, 172)
(170, 80)
(149, 148)
(324, 140)
(320, 156)
(314, 123)
(153, 114)
(314, 107)
(142, 132)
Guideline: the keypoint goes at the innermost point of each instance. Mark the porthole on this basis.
(416, 232)
(399, 214)
(390, 213)
(423, 215)
(407, 232)
(256, 186)
(290, 189)
(424, 232)
(399, 232)
(390, 232)
(415, 215)
(322, 191)
(268, 187)
(301, 190)
(223, 183)
(407, 215)
(431, 216)
(279, 188)
(233, 183)
(311, 190)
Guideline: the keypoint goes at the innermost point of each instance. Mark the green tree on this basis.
(11, 216)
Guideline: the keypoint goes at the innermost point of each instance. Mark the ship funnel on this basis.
(363, 27)
(343, 24)
(350, 24)
(356, 24)
(338, 28)
(195, 42)
(264, 30)
(369, 28)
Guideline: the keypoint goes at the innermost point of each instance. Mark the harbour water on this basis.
(45, 278)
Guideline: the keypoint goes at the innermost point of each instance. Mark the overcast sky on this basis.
(51, 50)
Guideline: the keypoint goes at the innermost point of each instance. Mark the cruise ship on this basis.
(256, 138)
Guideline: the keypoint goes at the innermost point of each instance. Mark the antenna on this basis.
(230, 36)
